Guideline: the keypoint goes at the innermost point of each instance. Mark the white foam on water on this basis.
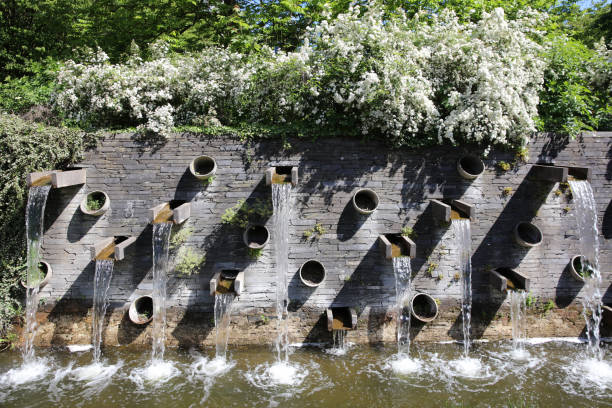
(404, 365)
(156, 372)
(75, 348)
(520, 354)
(467, 367)
(598, 372)
(280, 373)
(284, 373)
(217, 366)
(95, 373)
(31, 371)
(587, 376)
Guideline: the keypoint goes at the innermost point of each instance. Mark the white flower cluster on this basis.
(404, 79)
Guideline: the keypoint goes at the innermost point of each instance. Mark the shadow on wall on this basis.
(567, 288)
(554, 143)
(148, 142)
(493, 251)
(61, 197)
(606, 226)
(223, 245)
(135, 265)
(327, 177)
(350, 222)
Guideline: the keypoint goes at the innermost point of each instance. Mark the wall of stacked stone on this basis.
(138, 175)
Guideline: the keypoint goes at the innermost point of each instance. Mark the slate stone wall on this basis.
(137, 176)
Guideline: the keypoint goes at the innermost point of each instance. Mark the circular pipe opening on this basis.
(141, 310)
(527, 234)
(95, 203)
(581, 268)
(46, 271)
(424, 307)
(365, 201)
(312, 273)
(203, 167)
(470, 166)
(256, 236)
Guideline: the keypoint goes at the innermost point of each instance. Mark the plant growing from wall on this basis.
(255, 253)
(242, 213)
(504, 166)
(188, 261)
(431, 268)
(530, 300)
(180, 237)
(315, 232)
(408, 232)
(93, 203)
(507, 191)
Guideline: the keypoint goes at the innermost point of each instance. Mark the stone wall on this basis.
(138, 175)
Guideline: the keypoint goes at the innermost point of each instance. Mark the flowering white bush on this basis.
(408, 80)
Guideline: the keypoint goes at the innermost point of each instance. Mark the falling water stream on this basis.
(102, 279)
(161, 243)
(35, 214)
(403, 274)
(281, 194)
(223, 312)
(586, 219)
(461, 228)
(519, 324)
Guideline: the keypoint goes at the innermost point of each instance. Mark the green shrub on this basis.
(25, 147)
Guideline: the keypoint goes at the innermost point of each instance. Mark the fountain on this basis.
(461, 229)
(35, 211)
(339, 321)
(105, 252)
(403, 291)
(586, 219)
(518, 307)
(161, 245)
(223, 311)
(224, 286)
(102, 279)
(281, 194)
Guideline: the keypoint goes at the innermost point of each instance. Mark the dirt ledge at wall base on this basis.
(258, 327)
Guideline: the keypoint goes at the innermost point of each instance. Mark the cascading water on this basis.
(161, 244)
(223, 311)
(102, 279)
(281, 194)
(517, 316)
(403, 276)
(35, 213)
(461, 228)
(586, 219)
(340, 347)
